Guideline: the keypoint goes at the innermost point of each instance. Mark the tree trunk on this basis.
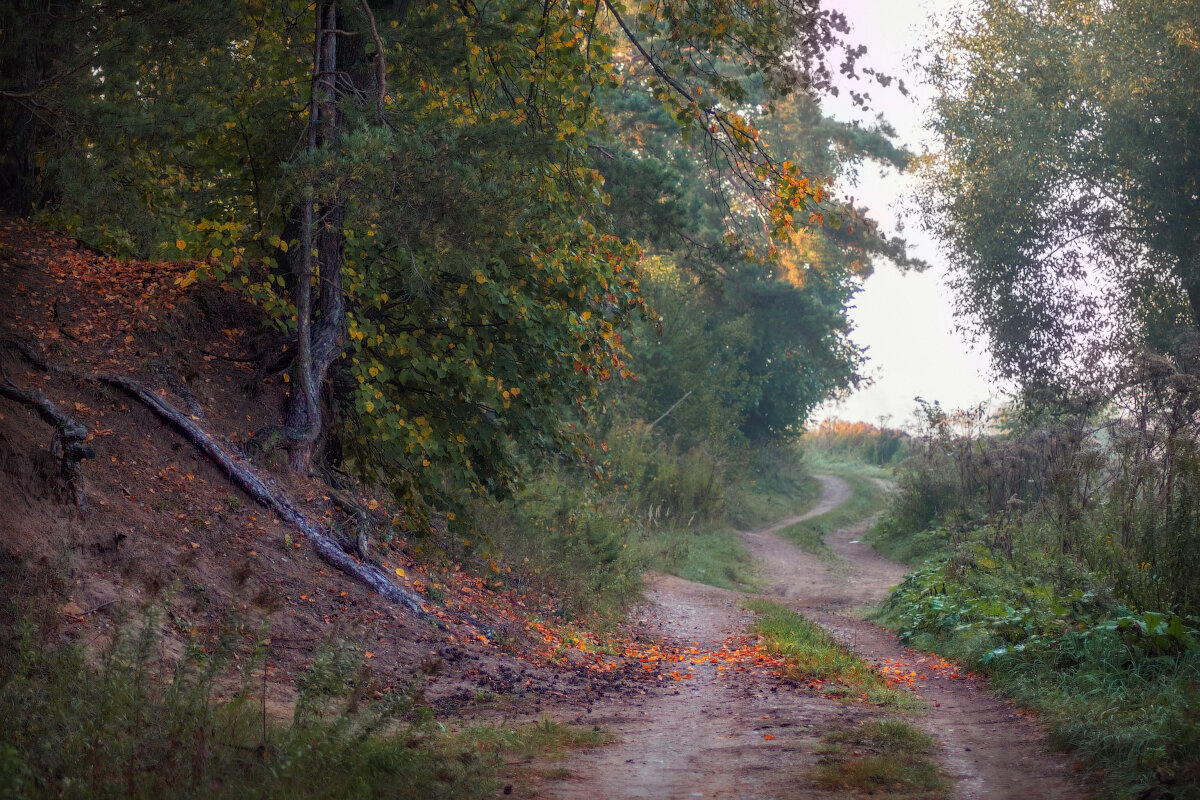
(29, 31)
(1191, 279)
(320, 321)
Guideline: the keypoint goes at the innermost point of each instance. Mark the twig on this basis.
(669, 410)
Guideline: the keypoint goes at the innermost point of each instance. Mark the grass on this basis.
(780, 485)
(881, 756)
(913, 549)
(120, 724)
(866, 499)
(1131, 713)
(544, 738)
(814, 656)
(712, 554)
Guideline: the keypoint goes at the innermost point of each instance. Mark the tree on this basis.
(411, 193)
(754, 327)
(1067, 187)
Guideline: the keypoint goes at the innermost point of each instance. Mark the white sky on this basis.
(904, 321)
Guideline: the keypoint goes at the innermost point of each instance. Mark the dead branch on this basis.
(68, 443)
(260, 487)
(267, 492)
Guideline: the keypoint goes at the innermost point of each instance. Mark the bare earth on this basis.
(706, 738)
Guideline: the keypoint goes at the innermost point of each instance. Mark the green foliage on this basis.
(753, 332)
(584, 544)
(814, 656)
(461, 172)
(1117, 685)
(121, 724)
(1068, 132)
(774, 484)
(858, 442)
(1056, 552)
(567, 541)
(127, 727)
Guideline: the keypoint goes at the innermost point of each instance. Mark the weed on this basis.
(1118, 686)
(883, 755)
(817, 658)
(122, 725)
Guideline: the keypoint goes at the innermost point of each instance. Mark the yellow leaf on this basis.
(400, 572)
(283, 245)
(181, 244)
(374, 504)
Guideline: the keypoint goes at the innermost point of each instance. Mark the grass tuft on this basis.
(121, 724)
(814, 656)
(881, 756)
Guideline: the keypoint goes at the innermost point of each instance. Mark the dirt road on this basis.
(750, 735)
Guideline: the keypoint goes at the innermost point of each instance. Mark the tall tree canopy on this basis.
(415, 194)
(1068, 189)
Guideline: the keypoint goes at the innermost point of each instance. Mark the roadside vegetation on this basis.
(586, 543)
(121, 722)
(1049, 555)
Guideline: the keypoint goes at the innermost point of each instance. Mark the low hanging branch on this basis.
(258, 486)
(69, 436)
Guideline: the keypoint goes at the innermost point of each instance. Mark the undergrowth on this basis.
(1052, 558)
(1120, 687)
(584, 542)
(120, 723)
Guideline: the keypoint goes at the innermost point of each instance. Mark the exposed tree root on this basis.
(257, 485)
(69, 435)
(265, 491)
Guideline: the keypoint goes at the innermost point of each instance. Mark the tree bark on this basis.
(321, 320)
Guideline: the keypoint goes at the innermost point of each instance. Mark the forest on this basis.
(399, 398)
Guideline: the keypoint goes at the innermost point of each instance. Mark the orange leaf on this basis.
(768, 736)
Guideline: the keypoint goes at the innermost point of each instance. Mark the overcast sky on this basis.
(905, 321)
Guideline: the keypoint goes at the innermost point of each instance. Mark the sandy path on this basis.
(705, 738)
